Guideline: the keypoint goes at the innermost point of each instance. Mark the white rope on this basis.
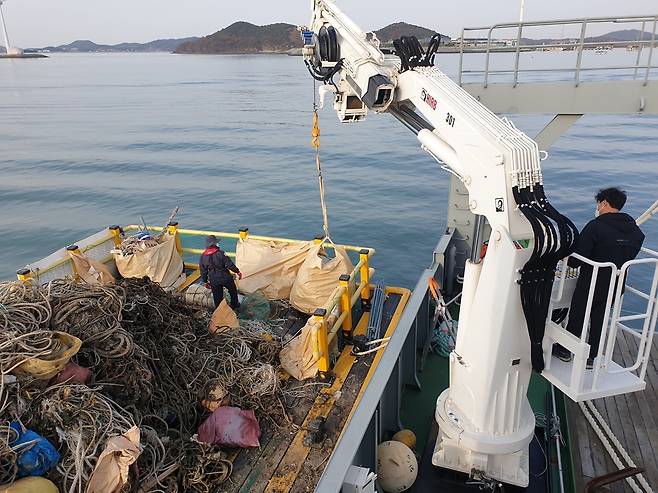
(315, 142)
(382, 343)
(323, 202)
(606, 436)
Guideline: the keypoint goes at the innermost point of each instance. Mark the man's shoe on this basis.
(562, 354)
(590, 364)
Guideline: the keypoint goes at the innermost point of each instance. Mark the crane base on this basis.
(450, 452)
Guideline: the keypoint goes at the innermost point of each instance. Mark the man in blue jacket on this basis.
(217, 271)
(612, 236)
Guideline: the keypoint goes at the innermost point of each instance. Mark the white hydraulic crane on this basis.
(485, 420)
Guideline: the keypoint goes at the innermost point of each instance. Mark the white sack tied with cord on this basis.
(318, 277)
(160, 263)
(297, 355)
(270, 267)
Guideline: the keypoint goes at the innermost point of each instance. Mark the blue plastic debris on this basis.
(36, 455)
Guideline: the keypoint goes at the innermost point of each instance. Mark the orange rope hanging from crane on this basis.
(315, 143)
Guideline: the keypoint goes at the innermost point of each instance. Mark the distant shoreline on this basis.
(24, 55)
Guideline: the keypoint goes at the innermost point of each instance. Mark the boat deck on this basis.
(633, 419)
(287, 460)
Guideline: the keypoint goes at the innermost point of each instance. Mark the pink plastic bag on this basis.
(73, 373)
(230, 427)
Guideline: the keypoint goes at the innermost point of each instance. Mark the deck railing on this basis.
(351, 290)
(345, 296)
(517, 45)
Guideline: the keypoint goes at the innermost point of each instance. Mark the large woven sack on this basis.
(269, 267)
(111, 473)
(160, 263)
(297, 356)
(223, 319)
(47, 366)
(91, 271)
(318, 277)
(199, 294)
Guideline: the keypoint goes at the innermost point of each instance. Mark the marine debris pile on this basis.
(119, 387)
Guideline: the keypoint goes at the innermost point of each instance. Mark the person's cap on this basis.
(211, 240)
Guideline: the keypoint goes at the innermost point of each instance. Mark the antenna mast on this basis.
(10, 50)
(4, 27)
(521, 15)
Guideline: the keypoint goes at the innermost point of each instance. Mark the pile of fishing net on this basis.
(155, 374)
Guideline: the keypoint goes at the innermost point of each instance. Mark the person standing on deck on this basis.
(217, 271)
(612, 236)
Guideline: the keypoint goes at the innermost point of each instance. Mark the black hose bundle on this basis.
(555, 238)
(412, 54)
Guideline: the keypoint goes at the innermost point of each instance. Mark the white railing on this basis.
(518, 43)
(607, 376)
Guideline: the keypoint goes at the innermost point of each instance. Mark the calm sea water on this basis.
(92, 140)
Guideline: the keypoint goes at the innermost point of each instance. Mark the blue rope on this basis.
(443, 338)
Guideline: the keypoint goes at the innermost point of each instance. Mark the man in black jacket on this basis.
(216, 272)
(612, 236)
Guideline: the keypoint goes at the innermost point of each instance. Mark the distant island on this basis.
(244, 37)
(281, 38)
(86, 46)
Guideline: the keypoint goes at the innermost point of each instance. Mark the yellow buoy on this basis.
(30, 485)
(407, 437)
(397, 467)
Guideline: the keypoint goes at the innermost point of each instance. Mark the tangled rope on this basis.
(82, 419)
(8, 456)
(25, 314)
(154, 365)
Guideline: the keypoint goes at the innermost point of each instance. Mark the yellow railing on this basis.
(344, 299)
(345, 296)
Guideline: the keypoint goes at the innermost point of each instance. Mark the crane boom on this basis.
(484, 417)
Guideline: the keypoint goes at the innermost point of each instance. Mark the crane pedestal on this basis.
(461, 447)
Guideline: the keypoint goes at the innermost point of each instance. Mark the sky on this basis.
(37, 23)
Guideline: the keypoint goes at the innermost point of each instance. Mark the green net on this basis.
(254, 307)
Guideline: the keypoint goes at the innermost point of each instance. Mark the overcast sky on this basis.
(36, 23)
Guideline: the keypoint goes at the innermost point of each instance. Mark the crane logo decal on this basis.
(429, 99)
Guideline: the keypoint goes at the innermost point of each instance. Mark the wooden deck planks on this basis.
(633, 418)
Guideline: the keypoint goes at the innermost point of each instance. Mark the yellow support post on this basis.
(24, 275)
(365, 278)
(172, 229)
(116, 235)
(74, 250)
(244, 233)
(323, 344)
(346, 305)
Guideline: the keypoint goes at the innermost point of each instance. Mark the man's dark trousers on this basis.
(218, 293)
(597, 314)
